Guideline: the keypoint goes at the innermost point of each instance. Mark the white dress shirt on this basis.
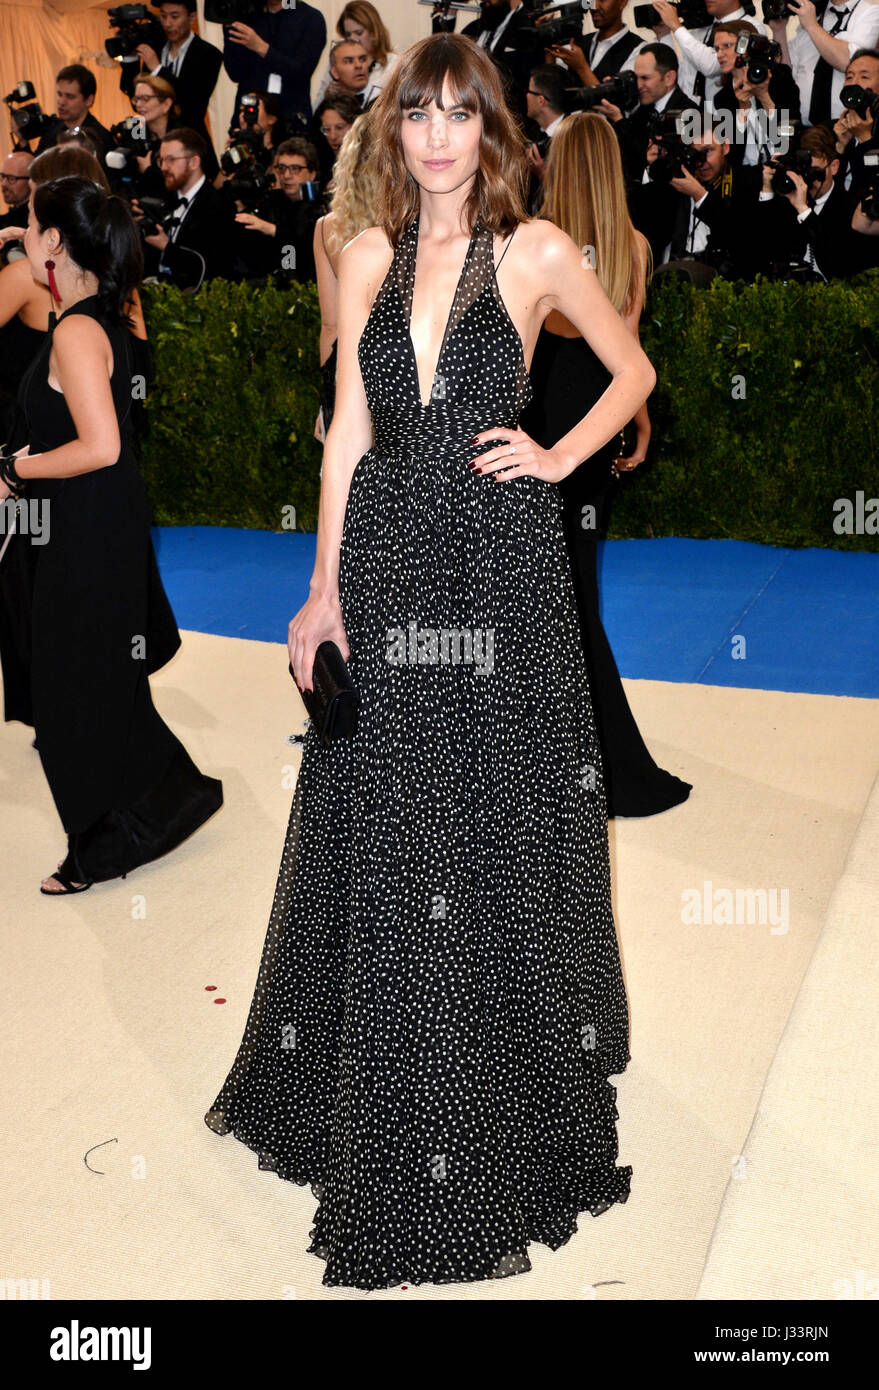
(699, 56)
(165, 59)
(604, 46)
(860, 29)
(175, 230)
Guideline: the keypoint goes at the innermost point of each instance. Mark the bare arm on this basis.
(327, 292)
(13, 290)
(565, 281)
(80, 351)
(633, 319)
(362, 265)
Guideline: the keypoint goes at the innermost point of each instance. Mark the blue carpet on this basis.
(717, 612)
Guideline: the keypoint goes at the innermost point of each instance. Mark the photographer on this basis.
(187, 61)
(810, 223)
(277, 53)
(15, 188)
(75, 92)
(857, 129)
(546, 108)
(760, 106)
(699, 69)
(505, 29)
(278, 235)
(154, 103)
(195, 242)
(656, 71)
(821, 49)
(610, 48)
(702, 216)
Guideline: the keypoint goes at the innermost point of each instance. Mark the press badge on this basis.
(274, 82)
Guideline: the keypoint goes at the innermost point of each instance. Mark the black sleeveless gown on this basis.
(124, 786)
(440, 1000)
(568, 379)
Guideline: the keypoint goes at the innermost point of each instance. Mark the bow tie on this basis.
(180, 202)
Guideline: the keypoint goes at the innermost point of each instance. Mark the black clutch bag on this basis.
(333, 701)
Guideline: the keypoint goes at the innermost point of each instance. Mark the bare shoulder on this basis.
(544, 251)
(367, 253)
(80, 339)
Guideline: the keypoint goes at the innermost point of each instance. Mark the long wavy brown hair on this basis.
(497, 197)
(584, 193)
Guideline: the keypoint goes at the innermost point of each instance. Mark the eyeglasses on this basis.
(531, 92)
(14, 178)
(170, 158)
(291, 168)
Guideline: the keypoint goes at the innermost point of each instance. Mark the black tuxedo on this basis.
(194, 83)
(838, 251)
(625, 42)
(663, 215)
(202, 249)
(258, 255)
(516, 53)
(193, 86)
(15, 216)
(784, 92)
(99, 133)
(632, 132)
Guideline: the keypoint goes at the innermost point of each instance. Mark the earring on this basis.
(53, 286)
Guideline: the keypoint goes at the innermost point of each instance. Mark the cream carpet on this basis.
(114, 1047)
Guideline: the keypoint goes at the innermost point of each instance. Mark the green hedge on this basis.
(765, 412)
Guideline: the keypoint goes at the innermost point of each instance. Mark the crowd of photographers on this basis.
(745, 150)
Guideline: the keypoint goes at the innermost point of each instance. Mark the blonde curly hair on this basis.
(356, 191)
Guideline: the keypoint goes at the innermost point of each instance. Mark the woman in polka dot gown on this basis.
(440, 1001)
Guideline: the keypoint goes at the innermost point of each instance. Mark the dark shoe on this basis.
(68, 885)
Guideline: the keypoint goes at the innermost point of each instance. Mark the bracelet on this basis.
(10, 476)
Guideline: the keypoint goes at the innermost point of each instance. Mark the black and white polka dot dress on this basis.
(440, 1000)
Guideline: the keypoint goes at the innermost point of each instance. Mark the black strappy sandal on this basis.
(64, 875)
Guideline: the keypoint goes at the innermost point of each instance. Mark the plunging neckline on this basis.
(413, 232)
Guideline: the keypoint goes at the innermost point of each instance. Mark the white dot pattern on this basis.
(440, 1000)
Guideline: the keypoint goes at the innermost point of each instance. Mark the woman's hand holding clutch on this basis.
(318, 620)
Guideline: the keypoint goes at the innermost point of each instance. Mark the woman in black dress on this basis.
(440, 1001)
(24, 321)
(125, 788)
(584, 194)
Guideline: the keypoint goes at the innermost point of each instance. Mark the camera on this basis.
(247, 178)
(29, 119)
(859, 99)
(776, 9)
(155, 213)
(870, 195)
(567, 24)
(675, 154)
(800, 161)
(135, 25)
(758, 54)
(621, 91)
(692, 13)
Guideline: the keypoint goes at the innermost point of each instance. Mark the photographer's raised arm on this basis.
(83, 362)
